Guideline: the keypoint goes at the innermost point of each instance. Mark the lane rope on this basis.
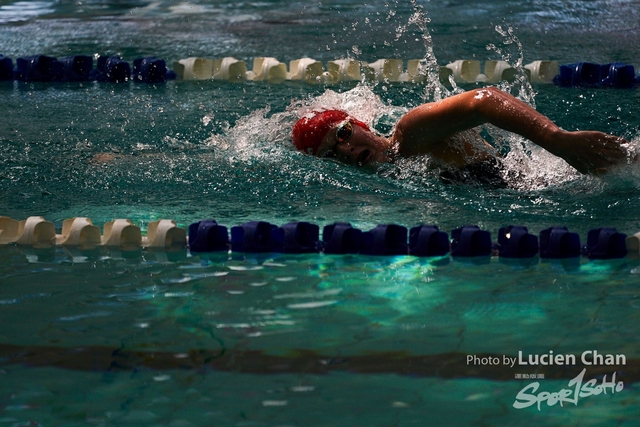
(42, 68)
(513, 241)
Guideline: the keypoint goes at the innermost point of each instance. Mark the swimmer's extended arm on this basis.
(426, 129)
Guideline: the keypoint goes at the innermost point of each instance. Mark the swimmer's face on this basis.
(353, 145)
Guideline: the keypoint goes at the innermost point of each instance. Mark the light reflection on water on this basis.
(24, 11)
(319, 299)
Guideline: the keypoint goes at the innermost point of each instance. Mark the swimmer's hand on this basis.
(591, 152)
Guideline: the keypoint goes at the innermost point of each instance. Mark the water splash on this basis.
(434, 89)
(528, 167)
(512, 53)
(266, 137)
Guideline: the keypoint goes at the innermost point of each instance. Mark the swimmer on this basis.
(435, 129)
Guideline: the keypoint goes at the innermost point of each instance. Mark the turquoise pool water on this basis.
(172, 338)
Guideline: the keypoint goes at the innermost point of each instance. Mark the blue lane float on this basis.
(470, 241)
(559, 243)
(261, 236)
(297, 238)
(516, 242)
(42, 68)
(253, 237)
(77, 68)
(385, 239)
(112, 69)
(589, 74)
(38, 68)
(341, 238)
(151, 70)
(6, 68)
(208, 236)
(606, 243)
(427, 241)
(619, 75)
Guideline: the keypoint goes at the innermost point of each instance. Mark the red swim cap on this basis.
(308, 133)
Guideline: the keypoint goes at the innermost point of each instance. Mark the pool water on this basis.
(103, 337)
